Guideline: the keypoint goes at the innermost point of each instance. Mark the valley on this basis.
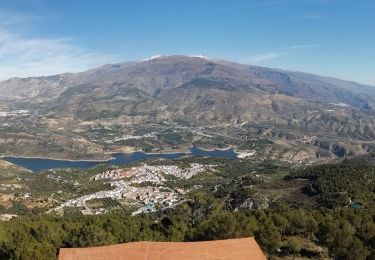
(194, 199)
(181, 130)
(175, 102)
(185, 148)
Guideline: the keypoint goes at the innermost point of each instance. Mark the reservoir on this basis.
(40, 164)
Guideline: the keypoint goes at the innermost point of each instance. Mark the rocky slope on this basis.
(161, 74)
(191, 93)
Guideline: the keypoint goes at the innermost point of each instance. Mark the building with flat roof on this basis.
(231, 249)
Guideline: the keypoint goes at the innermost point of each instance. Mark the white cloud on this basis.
(25, 56)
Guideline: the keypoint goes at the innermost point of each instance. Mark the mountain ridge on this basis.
(184, 101)
(16, 86)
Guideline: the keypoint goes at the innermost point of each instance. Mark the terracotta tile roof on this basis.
(231, 249)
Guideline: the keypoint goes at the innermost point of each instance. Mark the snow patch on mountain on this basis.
(202, 57)
(153, 57)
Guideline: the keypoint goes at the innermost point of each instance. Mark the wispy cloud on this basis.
(24, 56)
(272, 55)
(265, 3)
(11, 18)
(303, 46)
(259, 58)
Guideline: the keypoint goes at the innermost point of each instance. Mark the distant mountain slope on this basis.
(164, 73)
(182, 101)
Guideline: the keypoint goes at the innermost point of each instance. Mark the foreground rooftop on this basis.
(239, 249)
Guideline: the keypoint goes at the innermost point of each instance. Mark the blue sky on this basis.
(327, 37)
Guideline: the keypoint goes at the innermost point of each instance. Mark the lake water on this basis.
(40, 164)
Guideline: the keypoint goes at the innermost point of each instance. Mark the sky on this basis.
(327, 37)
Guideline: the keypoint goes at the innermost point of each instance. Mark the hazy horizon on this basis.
(186, 55)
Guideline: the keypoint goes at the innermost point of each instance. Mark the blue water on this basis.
(40, 164)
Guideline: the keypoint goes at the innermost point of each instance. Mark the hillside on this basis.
(174, 102)
(317, 212)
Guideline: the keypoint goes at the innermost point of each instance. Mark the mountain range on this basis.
(172, 102)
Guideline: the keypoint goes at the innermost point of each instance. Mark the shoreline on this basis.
(186, 150)
(53, 159)
(182, 151)
(217, 149)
